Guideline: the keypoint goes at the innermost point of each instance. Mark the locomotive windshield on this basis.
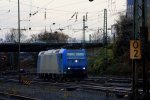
(75, 54)
(79, 54)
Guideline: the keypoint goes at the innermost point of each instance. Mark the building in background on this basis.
(130, 9)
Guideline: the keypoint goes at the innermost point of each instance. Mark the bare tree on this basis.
(124, 28)
(13, 36)
(56, 37)
(33, 38)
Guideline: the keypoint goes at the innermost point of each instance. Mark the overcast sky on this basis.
(46, 12)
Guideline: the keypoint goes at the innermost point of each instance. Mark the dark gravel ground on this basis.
(49, 92)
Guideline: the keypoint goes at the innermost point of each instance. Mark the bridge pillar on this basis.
(14, 59)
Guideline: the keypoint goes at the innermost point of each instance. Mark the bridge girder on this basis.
(37, 47)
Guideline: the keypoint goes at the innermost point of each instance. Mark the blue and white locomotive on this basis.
(62, 63)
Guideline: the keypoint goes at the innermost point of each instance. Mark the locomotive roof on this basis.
(55, 51)
(52, 51)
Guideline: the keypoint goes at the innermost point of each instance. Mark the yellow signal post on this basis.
(135, 49)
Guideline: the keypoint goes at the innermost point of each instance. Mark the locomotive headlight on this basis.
(68, 68)
(83, 68)
(76, 61)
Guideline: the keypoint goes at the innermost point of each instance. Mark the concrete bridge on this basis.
(37, 47)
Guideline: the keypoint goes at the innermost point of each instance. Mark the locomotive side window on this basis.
(79, 54)
(70, 54)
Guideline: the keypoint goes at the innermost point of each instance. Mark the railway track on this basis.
(93, 84)
(10, 96)
(119, 90)
(89, 81)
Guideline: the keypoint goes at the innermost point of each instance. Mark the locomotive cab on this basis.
(76, 63)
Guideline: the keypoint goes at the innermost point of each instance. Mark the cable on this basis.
(74, 24)
(62, 12)
(46, 8)
(93, 5)
(70, 4)
(41, 8)
(80, 22)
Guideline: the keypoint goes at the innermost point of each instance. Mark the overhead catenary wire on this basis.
(42, 8)
(76, 21)
(94, 18)
(70, 4)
